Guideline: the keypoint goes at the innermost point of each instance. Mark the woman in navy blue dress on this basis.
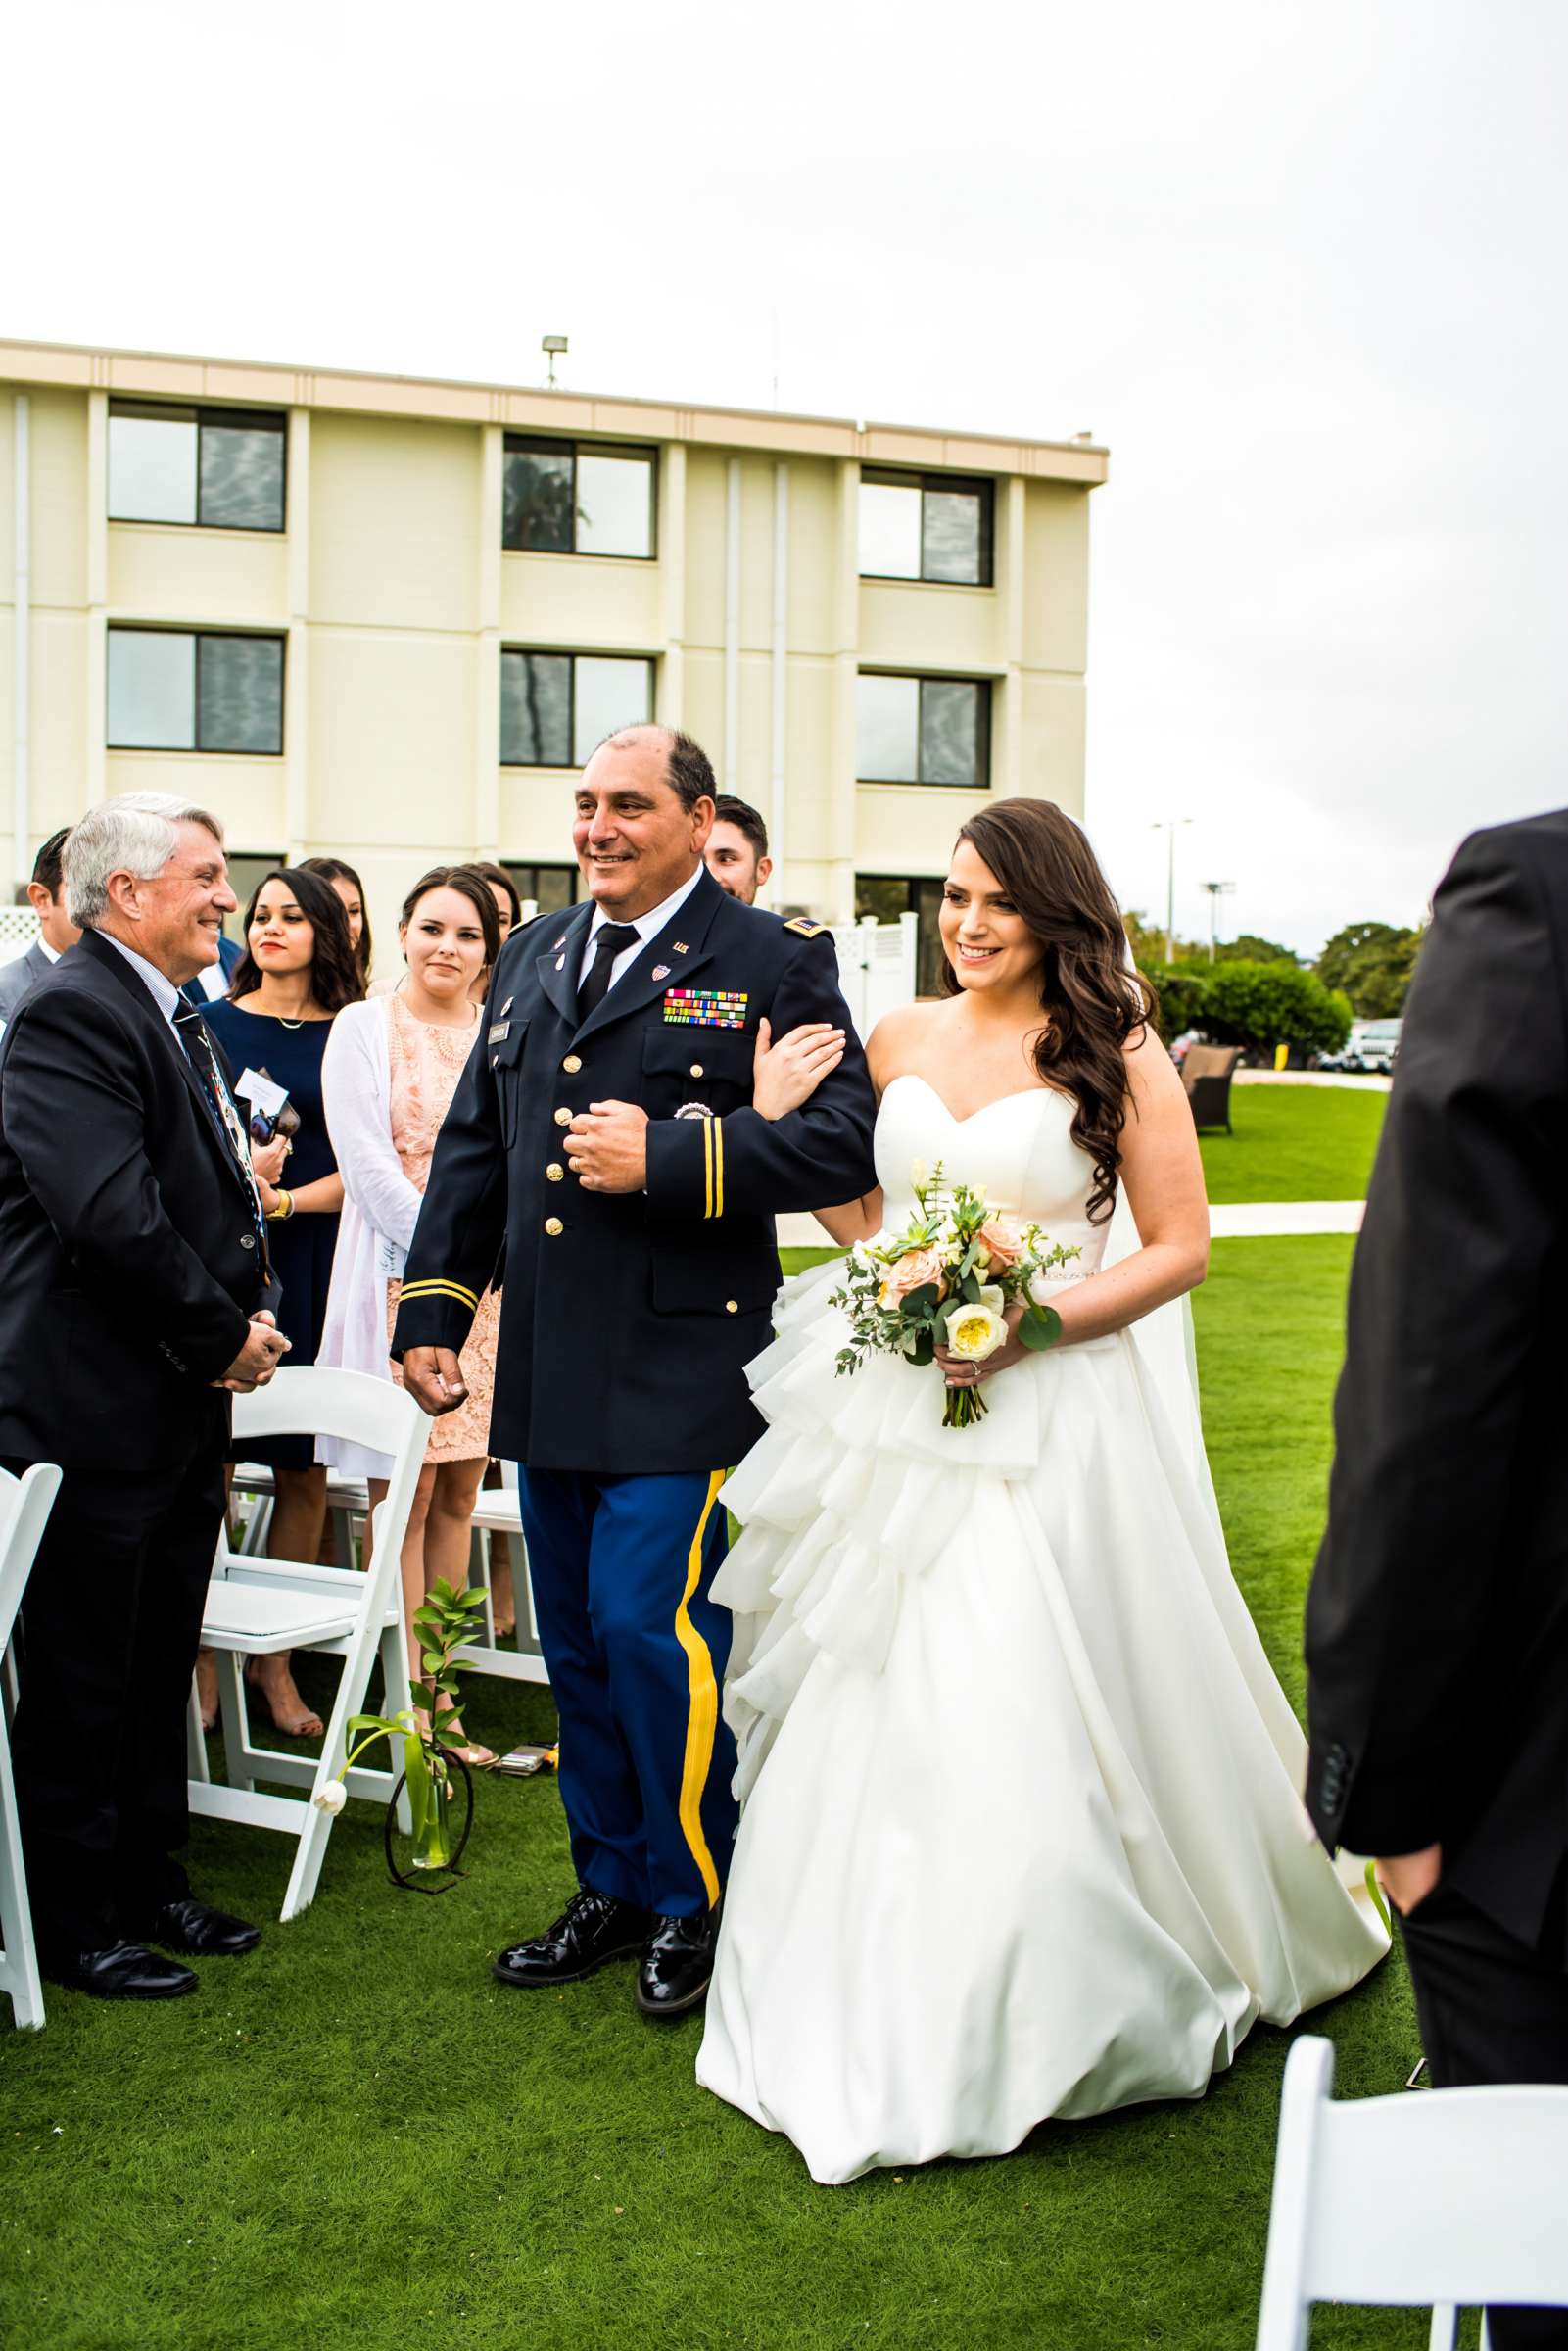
(298, 971)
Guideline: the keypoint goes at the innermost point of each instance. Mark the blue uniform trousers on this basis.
(621, 1569)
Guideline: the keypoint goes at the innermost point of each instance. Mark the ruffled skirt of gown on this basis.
(1022, 1835)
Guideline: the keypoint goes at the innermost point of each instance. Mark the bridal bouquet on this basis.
(946, 1280)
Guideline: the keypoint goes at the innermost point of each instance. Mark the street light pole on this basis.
(1167, 824)
(1217, 891)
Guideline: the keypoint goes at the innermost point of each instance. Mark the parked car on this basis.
(1371, 1046)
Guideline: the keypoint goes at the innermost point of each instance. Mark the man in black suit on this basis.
(46, 895)
(603, 1132)
(1437, 1629)
(135, 1298)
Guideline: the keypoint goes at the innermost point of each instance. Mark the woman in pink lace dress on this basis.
(387, 1085)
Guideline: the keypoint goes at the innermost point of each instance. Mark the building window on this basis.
(553, 888)
(222, 468)
(578, 497)
(556, 708)
(174, 689)
(923, 729)
(887, 896)
(924, 526)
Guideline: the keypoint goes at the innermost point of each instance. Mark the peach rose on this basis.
(912, 1272)
(1002, 1242)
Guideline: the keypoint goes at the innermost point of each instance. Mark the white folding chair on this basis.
(26, 1503)
(256, 1606)
(497, 1512)
(1452, 2197)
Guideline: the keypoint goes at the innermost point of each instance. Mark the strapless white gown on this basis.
(1021, 1833)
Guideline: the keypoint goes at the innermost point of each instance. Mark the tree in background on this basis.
(1249, 949)
(1146, 939)
(1373, 964)
(1268, 1004)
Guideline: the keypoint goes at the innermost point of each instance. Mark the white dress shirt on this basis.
(646, 926)
(159, 986)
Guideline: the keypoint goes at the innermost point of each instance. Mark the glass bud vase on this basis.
(435, 1846)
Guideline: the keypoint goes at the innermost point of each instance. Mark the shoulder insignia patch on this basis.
(803, 927)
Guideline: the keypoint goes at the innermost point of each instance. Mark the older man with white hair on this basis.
(137, 1297)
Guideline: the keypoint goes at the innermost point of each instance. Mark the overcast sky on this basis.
(1299, 266)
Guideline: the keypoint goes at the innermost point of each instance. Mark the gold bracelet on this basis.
(284, 1209)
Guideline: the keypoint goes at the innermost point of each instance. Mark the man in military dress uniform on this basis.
(603, 1132)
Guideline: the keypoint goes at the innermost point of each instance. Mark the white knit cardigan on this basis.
(380, 1208)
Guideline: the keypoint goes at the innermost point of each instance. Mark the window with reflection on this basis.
(925, 526)
(553, 888)
(923, 729)
(577, 498)
(556, 708)
(186, 689)
(223, 469)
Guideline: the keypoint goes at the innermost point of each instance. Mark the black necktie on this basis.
(192, 1032)
(608, 943)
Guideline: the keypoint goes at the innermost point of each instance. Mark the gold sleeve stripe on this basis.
(707, 1167)
(441, 1289)
(718, 1166)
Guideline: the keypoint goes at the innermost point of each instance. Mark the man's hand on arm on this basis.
(607, 1149)
(434, 1379)
(257, 1359)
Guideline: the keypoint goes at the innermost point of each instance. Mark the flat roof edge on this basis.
(185, 374)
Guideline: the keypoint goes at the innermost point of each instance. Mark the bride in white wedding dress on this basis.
(1021, 1833)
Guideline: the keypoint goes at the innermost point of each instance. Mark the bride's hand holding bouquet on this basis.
(962, 1287)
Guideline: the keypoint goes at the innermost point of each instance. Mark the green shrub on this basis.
(1268, 1004)
(1182, 992)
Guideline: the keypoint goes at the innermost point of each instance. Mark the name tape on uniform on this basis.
(707, 1007)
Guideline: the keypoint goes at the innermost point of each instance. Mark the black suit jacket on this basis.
(132, 1264)
(627, 1319)
(1437, 1626)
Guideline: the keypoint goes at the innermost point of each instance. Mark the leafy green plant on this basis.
(447, 1619)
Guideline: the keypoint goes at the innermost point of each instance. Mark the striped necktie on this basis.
(192, 1031)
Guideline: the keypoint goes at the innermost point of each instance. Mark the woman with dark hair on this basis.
(297, 972)
(390, 1072)
(1021, 1833)
(350, 895)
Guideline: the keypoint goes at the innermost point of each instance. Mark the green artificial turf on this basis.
(1295, 1142)
(355, 2137)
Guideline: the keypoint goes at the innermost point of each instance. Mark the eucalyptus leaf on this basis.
(1042, 1327)
(921, 1300)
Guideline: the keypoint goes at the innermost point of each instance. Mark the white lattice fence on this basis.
(876, 967)
(19, 929)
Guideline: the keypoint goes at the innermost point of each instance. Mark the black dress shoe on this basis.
(677, 1964)
(190, 1926)
(122, 1972)
(592, 1930)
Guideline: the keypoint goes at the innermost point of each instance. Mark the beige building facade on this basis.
(387, 619)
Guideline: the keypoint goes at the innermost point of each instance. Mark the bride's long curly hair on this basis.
(1093, 999)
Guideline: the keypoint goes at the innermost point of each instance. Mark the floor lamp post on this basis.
(1167, 824)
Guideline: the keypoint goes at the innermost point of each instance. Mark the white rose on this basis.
(993, 1295)
(976, 1332)
(332, 1798)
